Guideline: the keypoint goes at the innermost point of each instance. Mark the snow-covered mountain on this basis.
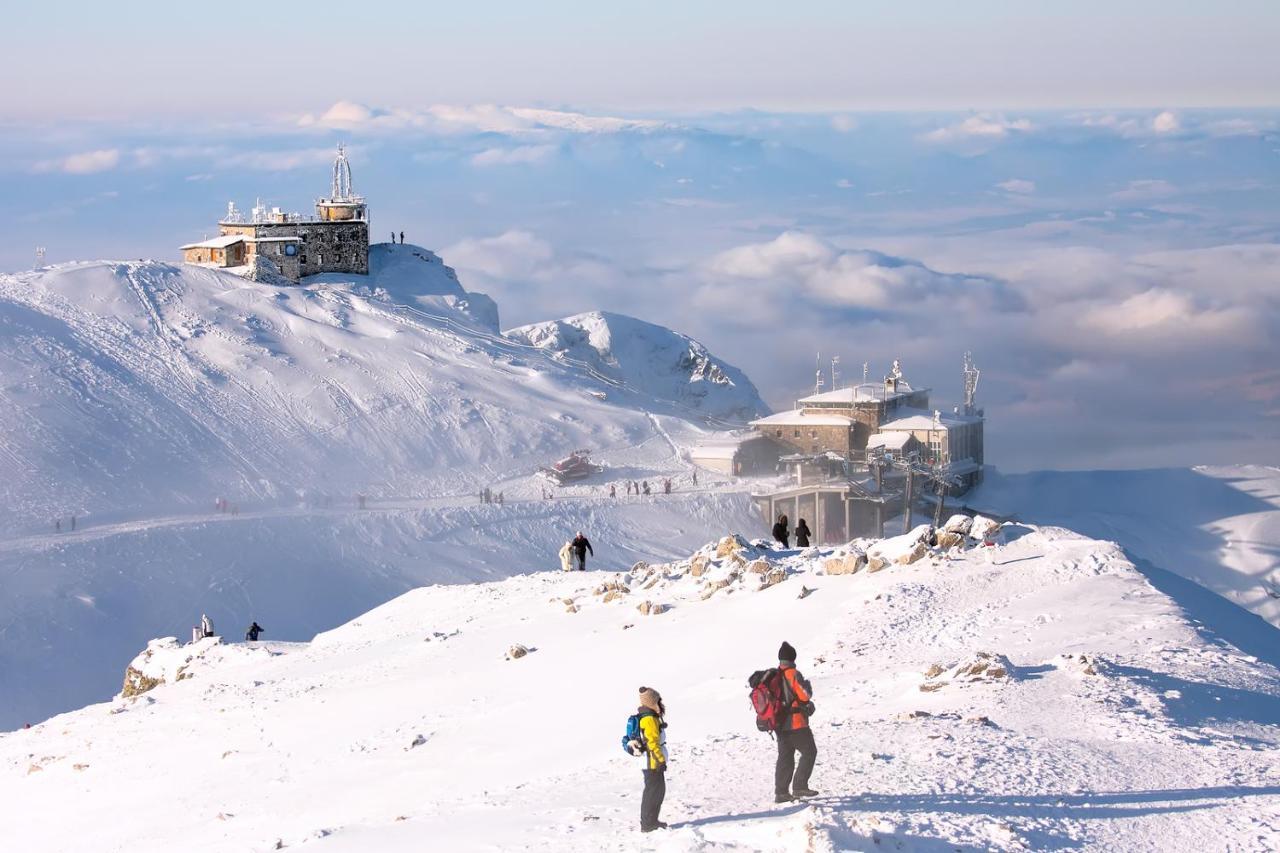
(1041, 694)
(652, 358)
(133, 395)
(145, 385)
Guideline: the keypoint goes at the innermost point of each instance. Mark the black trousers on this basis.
(655, 790)
(787, 777)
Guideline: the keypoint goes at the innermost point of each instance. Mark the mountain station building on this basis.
(334, 239)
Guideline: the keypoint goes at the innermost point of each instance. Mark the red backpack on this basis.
(768, 698)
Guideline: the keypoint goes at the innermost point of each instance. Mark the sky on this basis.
(1087, 196)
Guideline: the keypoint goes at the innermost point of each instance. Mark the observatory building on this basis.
(335, 239)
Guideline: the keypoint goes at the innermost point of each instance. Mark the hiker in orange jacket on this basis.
(794, 734)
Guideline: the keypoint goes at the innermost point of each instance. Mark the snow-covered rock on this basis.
(650, 359)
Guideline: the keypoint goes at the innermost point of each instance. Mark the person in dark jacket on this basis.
(581, 545)
(802, 534)
(780, 531)
(794, 735)
(252, 634)
(654, 749)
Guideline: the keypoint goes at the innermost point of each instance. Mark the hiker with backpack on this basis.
(781, 531)
(783, 701)
(645, 737)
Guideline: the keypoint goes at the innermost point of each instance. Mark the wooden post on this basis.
(942, 500)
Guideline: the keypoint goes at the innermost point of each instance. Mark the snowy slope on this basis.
(148, 386)
(1216, 526)
(134, 394)
(1102, 719)
(654, 359)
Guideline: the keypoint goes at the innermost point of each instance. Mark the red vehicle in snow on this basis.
(576, 466)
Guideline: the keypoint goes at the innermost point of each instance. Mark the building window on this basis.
(778, 432)
(795, 433)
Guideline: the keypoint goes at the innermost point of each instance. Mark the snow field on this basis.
(1156, 739)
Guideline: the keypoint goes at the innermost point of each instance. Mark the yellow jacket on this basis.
(651, 731)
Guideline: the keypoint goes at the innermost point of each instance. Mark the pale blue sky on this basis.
(149, 59)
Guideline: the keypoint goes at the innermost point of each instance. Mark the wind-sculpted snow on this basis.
(1039, 694)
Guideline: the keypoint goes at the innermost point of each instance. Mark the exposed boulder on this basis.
(958, 523)
(732, 544)
(517, 651)
(649, 608)
(774, 576)
(982, 667)
(698, 566)
(917, 551)
(983, 528)
(948, 540)
(758, 566)
(845, 564)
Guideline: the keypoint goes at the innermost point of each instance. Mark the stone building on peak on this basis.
(335, 239)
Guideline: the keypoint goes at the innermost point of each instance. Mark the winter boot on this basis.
(804, 792)
(783, 798)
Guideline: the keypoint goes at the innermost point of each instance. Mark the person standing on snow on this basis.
(613, 490)
(802, 534)
(780, 531)
(252, 634)
(652, 727)
(794, 734)
(581, 545)
(645, 486)
(566, 557)
(401, 238)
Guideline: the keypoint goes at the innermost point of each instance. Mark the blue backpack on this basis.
(633, 740)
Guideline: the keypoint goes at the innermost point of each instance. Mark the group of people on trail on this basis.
(57, 525)
(782, 699)
(782, 532)
(575, 551)
(205, 629)
(488, 496)
(393, 238)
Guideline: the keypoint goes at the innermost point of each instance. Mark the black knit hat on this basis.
(786, 652)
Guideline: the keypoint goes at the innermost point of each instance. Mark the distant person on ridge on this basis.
(695, 478)
(57, 525)
(73, 524)
(645, 486)
(780, 531)
(802, 534)
(393, 238)
(794, 733)
(252, 634)
(566, 557)
(580, 548)
(613, 490)
(650, 741)
(401, 238)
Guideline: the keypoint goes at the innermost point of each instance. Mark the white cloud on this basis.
(978, 127)
(1144, 189)
(844, 123)
(1018, 186)
(844, 184)
(84, 163)
(279, 161)
(812, 272)
(446, 119)
(522, 154)
(1166, 122)
(513, 254)
(1175, 318)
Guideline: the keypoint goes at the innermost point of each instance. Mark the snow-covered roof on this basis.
(863, 392)
(913, 419)
(217, 242)
(797, 417)
(889, 440)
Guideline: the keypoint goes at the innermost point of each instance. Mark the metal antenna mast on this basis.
(817, 382)
(835, 373)
(971, 374)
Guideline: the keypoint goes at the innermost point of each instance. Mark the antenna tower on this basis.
(971, 374)
(817, 382)
(835, 373)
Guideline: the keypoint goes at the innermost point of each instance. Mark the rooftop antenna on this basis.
(817, 382)
(896, 372)
(971, 374)
(835, 373)
(866, 372)
(341, 189)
